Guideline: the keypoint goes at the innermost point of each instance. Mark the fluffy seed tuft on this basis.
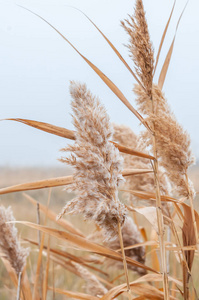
(97, 163)
(9, 244)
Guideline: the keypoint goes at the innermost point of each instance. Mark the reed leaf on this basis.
(165, 67)
(46, 183)
(105, 79)
(55, 182)
(53, 216)
(163, 38)
(73, 295)
(70, 134)
(112, 46)
(84, 244)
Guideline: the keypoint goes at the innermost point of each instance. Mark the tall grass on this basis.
(119, 179)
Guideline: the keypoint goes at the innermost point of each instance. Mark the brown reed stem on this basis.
(124, 261)
(159, 212)
(192, 212)
(39, 245)
(168, 253)
(160, 226)
(186, 277)
(19, 285)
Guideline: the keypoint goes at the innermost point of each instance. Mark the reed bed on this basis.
(132, 193)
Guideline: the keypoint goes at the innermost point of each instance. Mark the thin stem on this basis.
(124, 260)
(159, 210)
(186, 276)
(19, 286)
(38, 222)
(40, 283)
(168, 253)
(160, 226)
(192, 212)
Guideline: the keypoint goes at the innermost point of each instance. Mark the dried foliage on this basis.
(97, 164)
(9, 244)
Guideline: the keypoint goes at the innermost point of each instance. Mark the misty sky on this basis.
(36, 65)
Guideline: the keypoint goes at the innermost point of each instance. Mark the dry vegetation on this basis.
(126, 224)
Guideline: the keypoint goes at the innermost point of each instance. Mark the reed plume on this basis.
(140, 46)
(93, 286)
(97, 164)
(172, 141)
(169, 142)
(125, 135)
(9, 244)
(142, 54)
(144, 182)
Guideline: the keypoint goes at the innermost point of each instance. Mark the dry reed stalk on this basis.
(9, 244)
(142, 54)
(38, 283)
(45, 282)
(19, 286)
(98, 167)
(173, 151)
(130, 236)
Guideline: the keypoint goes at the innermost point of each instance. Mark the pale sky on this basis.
(36, 65)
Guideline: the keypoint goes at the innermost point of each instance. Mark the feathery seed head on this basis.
(172, 141)
(140, 46)
(9, 244)
(97, 163)
(144, 182)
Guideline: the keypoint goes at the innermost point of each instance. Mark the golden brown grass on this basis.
(156, 166)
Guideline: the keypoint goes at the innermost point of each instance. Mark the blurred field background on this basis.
(25, 211)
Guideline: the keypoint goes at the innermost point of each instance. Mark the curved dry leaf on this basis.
(58, 181)
(112, 46)
(73, 295)
(150, 214)
(46, 183)
(84, 244)
(56, 130)
(51, 215)
(145, 290)
(165, 67)
(71, 268)
(150, 196)
(79, 260)
(163, 37)
(127, 150)
(70, 134)
(105, 79)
